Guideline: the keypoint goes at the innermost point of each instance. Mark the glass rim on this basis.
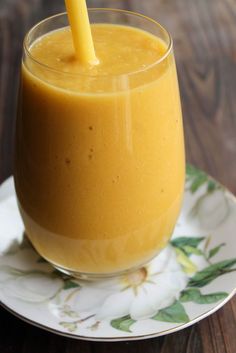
(26, 47)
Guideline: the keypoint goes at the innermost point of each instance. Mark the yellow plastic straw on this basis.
(81, 31)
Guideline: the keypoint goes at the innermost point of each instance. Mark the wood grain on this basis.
(205, 46)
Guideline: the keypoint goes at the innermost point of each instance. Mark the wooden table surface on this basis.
(204, 33)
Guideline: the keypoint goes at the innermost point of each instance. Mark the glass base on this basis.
(99, 276)
(88, 276)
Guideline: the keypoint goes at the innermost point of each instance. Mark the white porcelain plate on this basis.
(191, 278)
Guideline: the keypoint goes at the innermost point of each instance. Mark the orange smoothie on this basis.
(99, 169)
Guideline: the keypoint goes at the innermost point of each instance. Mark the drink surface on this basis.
(100, 157)
(120, 50)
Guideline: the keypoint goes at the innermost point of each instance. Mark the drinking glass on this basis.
(99, 160)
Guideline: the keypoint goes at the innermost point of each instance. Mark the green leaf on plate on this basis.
(188, 266)
(123, 323)
(173, 313)
(190, 250)
(188, 244)
(70, 326)
(215, 250)
(194, 295)
(180, 242)
(196, 176)
(68, 284)
(208, 274)
(212, 185)
(197, 182)
(191, 170)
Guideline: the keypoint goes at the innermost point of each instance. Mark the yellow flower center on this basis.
(136, 278)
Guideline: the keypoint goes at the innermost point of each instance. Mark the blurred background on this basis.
(205, 47)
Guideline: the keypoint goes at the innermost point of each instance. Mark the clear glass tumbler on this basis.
(99, 160)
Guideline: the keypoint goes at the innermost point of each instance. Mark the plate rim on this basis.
(123, 338)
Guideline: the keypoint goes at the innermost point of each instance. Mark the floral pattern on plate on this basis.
(192, 277)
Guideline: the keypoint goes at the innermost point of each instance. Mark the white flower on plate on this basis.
(212, 209)
(11, 230)
(141, 294)
(34, 287)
